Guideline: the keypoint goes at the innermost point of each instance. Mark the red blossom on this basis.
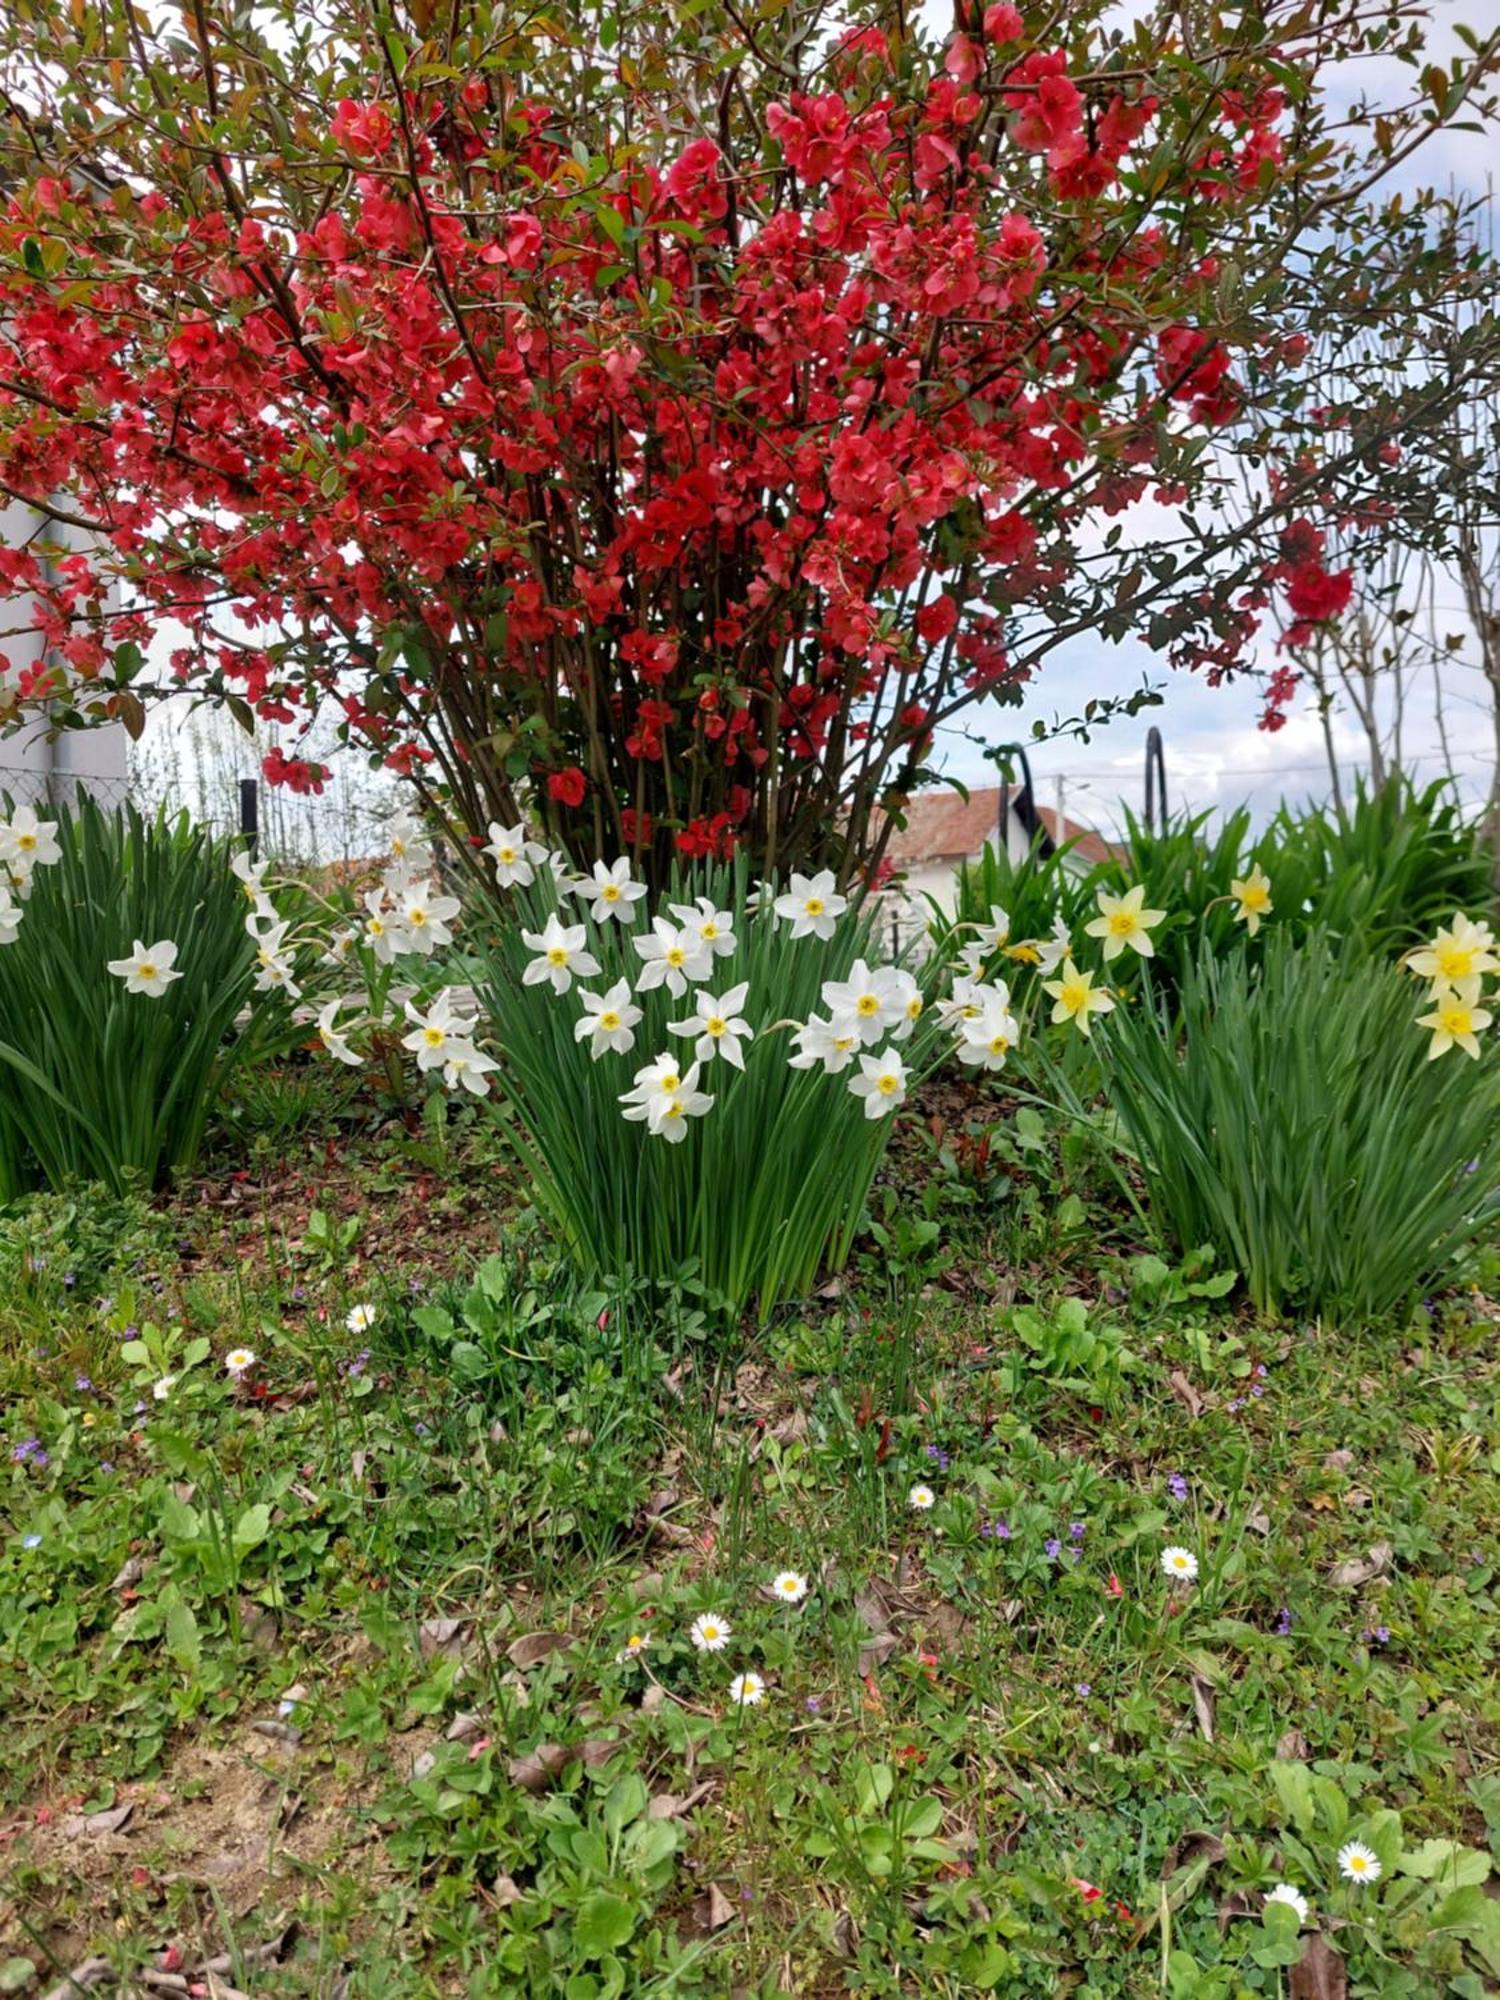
(567, 787)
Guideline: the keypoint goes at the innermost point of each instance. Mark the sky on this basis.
(1216, 756)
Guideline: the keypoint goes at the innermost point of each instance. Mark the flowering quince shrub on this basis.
(675, 426)
(123, 967)
(702, 1081)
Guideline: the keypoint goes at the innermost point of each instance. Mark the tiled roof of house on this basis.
(945, 826)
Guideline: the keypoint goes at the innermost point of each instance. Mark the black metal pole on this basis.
(250, 813)
(1156, 779)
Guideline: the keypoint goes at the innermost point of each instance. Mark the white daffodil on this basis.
(409, 847)
(330, 1037)
(275, 972)
(251, 876)
(27, 842)
(964, 1003)
(718, 1025)
(986, 1041)
(149, 968)
(1180, 1564)
(747, 1690)
(865, 998)
(903, 997)
(425, 918)
(1457, 1019)
(657, 1079)
(714, 926)
(1050, 952)
(384, 932)
(560, 955)
(710, 1633)
(811, 905)
(833, 1043)
(436, 1033)
(610, 892)
(1123, 920)
(608, 1021)
(881, 1082)
(671, 957)
(468, 1069)
(1076, 998)
(1293, 1898)
(668, 1112)
(340, 944)
(1462, 950)
(11, 914)
(515, 857)
(1358, 1863)
(993, 935)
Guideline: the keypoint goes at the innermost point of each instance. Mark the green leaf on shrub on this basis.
(253, 1526)
(604, 1922)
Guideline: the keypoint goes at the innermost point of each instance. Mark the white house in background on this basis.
(944, 830)
(32, 767)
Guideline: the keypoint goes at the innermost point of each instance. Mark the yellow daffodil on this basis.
(1456, 1019)
(1462, 951)
(1252, 898)
(1123, 921)
(1076, 996)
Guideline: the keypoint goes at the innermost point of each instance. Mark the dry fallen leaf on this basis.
(441, 1635)
(717, 1909)
(96, 1824)
(1362, 1569)
(1203, 1706)
(1291, 1746)
(1198, 1846)
(533, 1771)
(462, 1727)
(1185, 1393)
(877, 1650)
(534, 1647)
(1319, 1973)
(505, 1892)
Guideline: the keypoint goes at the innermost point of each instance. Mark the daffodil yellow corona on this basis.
(1122, 920)
(1461, 951)
(1252, 898)
(1076, 997)
(1456, 1019)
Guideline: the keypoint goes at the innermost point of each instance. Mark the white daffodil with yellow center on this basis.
(385, 934)
(714, 926)
(251, 876)
(718, 1026)
(608, 1021)
(1457, 1019)
(834, 1044)
(812, 905)
(1252, 898)
(881, 1083)
(438, 1033)
(965, 1001)
(27, 842)
(1124, 920)
(467, 1069)
(515, 857)
(986, 1042)
(610, 892)
(149, 969)
(426, 917)
(866, 998)
(1075, 997)
(1049, 953)
(561, 956)
(993, 935)
(1461, 951)
(11, 914)
(335, 1043)
(668, 1113)
(671, 956)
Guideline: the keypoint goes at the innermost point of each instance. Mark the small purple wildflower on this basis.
(1054, 1548)
(1235, 1403)
(29, 1452)
(1284, 1620)
(1378, 1635)
(70, 1279)
(938, 1456)
(1085, 1688)
(32, 1541)
(1075, 1530)
(1177, 1486)
(812, 1704)
(83, 1385)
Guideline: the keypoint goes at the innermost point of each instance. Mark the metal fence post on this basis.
(250, 813)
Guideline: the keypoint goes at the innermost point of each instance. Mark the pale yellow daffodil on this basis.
(1456, 1019)
(1122, 920)
(1076, 997)
(1252, 898)
(1463, 950)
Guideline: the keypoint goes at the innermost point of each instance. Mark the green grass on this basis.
(960, 1728)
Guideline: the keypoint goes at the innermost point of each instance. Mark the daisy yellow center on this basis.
(635, 1642)
(715, 1025)
(609, 893)
(710, 1631)
(434, 1037)
(1122, 923)
(814, 906)
(867, 1004)
(609, 1020)
(1178, 1563)
(557, 956)
(1357, 1864)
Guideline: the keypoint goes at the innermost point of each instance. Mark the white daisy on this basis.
(1180, 1563)
(239, 1361)
(359, 1319)
(709, 1632)
(921, 1498)
(745, 1690)
(632, 1649)
(1358, 1863)
(790, 1586)
(1293, 1898)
